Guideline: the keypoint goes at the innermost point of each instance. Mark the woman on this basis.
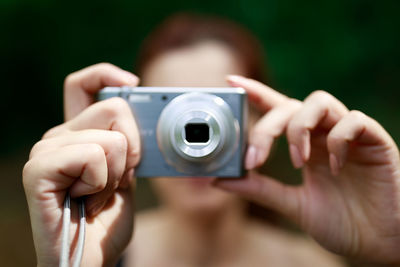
(94, 153)
(188, 50)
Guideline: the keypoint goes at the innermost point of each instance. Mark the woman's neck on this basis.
(207, 239)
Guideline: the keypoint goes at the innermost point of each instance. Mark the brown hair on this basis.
(185, 29)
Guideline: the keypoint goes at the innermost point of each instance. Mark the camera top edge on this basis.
(144, 89)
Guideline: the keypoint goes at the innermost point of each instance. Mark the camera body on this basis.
(188, 131)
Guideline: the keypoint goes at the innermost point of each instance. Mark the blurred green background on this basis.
(349, 48)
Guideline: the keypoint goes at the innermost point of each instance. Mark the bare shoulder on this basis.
(261, 244)
(288, 249)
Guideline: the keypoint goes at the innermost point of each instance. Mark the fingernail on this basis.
(235, 79)
(251, 157)
(131, 79)
(296, 156)
(335, 167)
(306, 145)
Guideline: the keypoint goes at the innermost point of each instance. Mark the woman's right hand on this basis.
(92, 155)
(350, 195)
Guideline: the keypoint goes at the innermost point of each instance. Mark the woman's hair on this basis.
(185, 29)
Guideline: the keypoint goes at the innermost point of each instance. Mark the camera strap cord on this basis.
(65, 243)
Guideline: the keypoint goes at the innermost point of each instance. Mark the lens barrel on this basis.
(197, 133)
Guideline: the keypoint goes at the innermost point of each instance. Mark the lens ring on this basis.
(196, 152)
(197, 159)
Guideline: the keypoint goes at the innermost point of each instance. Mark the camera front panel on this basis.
(148, 104)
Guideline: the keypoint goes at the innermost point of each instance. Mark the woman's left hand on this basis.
(350, 197)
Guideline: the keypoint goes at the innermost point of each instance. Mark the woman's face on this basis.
(205, 64)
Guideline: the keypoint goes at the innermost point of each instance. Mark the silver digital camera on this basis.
(188, 131)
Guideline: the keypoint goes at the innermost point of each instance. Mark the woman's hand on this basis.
(92, 154)
(350, 197)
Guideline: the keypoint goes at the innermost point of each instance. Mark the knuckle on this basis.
(51, 132)
(30, 174)
(27, 173)
(99, 184)
(294, 103)
(104, 66)
(95, 152)
(119, 141)
(356, 114)
(116, 106)
(72, 78)
(320, 96)
(134, 154)
(358, 118)
(39, 146)
(69, 80)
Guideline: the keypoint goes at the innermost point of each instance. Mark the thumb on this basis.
(266, 191)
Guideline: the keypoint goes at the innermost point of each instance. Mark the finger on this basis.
(321, 110)
(265, 191)
(356, 127)
(269, 127)
(81, 86)
(259, 94)
(127, 179)
(111, 114)
(81, 167)
(113, 143)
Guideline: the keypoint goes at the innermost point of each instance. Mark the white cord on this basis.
(64, 253)
(65, 245)
(81, 236)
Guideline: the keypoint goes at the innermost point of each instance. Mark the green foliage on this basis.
(349, 48)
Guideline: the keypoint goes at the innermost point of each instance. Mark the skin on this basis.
(190, 66)
(213, 227)
(349, 200)
(93, 155)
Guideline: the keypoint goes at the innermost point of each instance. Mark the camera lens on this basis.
(197, 132)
